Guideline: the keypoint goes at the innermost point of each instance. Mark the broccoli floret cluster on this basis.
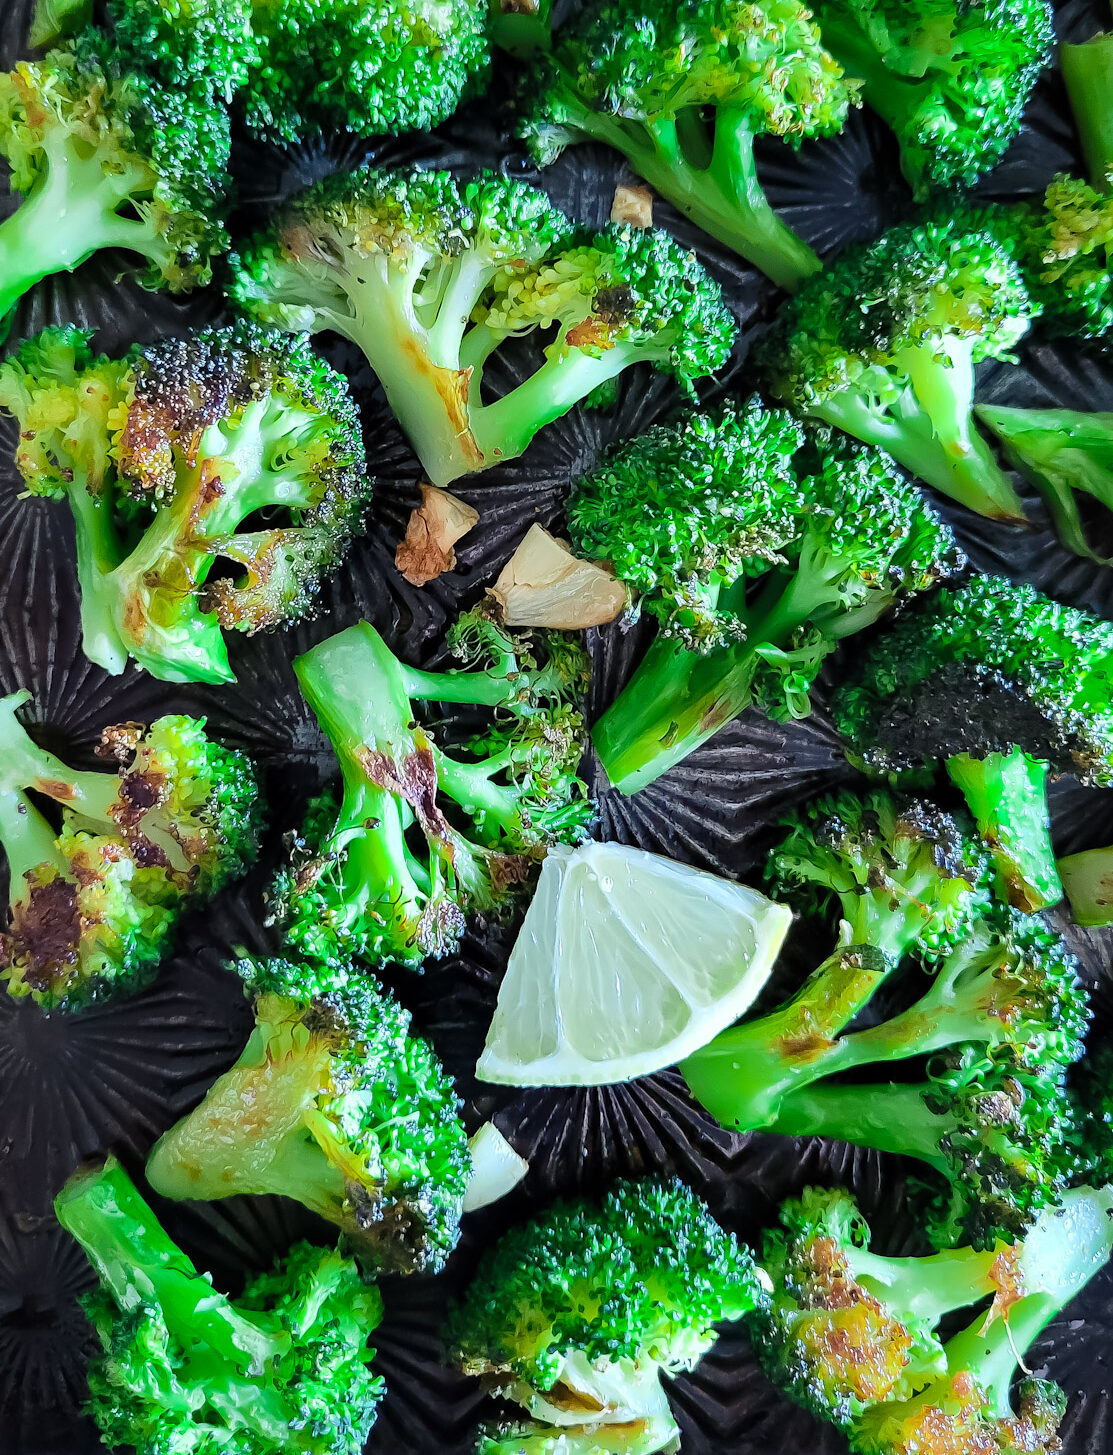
(429, 276)
(420, 837)
(883, 344)
(576, 1315)
(284, 1368)
(758, 546)
(682, 92)
(162, 456)
(335, 1104)
(93, 904)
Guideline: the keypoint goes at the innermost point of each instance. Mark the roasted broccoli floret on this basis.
(367, 66)
(421, 837)
(682, 91)
(335, 1104)
(951, 77)
(429, 276)
(284, 1368)
(1066, 454)
(200, 45)
(757, 547)
(883, 344)
(1005, 687)
(576, 1315)
(163, 456)
(93, 903)
(855, 1336)
(110, 149)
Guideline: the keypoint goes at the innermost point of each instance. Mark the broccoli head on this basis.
(429, 276)
(855, 1336)
(757, 546)
(420, 837)
(951, 77)
(199, 45)
(682, 92)
(883, 344)
(162, 457)
(284, 1368)
(93, 903)
(334, 1103)
(1005, 687)
(1063, 244)
(577, 1314)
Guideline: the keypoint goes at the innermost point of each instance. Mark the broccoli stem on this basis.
(98, 555)
(1007, 794)
(1088, 884)
(892, 1118)
(1088, 75)
(929, 1287)
(470, 785)
(23, 764)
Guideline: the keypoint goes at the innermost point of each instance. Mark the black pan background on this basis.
(115, 1078)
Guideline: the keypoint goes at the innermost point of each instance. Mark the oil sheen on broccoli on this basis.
(1004, 687)
(99, 875)
(883, 344)
(163, 457)
(757, 546)
(682, 91)
(856, 1337)
(420, 837)
(334, 1103)
(576, 1315)
(430, 276)
(284, 1369)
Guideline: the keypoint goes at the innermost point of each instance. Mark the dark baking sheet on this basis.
(115, 1078)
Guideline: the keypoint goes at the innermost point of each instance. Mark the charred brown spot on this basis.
(593, 332)
(119, 742)
(146, 854)
(46, 933)
(519, 7)
(564, 1397)
(802, 1045)
(415, 781)
(55, 788)
(395, 1233)
(138, 793)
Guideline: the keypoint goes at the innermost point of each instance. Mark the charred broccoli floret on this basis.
(429, 276)
(284, 1368)
(951, 77)
(421, 837)
(93, 903)
(758, 547)
(576, 1315)
(682, 92)
(883, 344)
(855, 1336)
(162, 456)
(335, 1104)
(1005, 687)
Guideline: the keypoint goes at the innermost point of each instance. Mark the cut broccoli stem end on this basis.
(1007, 794)
(1087, 880)
(1088, 75)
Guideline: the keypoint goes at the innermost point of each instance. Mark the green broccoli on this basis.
(682, 92)
(429, 276)
(285, 1368)
(521, 27)
(576, 1315)
(758, 547)
(54, 20)
(200, 45)
(335, 1104)
(365, 66)
(162, 456)
(1088, 885)
(951, 77)
(421, 837)
(883, 344)
(856, 1338)
(1088, 75)
(93, 904)
(1005, 687)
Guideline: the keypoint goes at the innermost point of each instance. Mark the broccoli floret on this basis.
(682, 92)
(201, 45)
(107, 153)
(188, 439)
(883, 344)
(757, 550)
(93, 903)
(951, 77)
(1005, 687)
(367, 66)
(483, 816)
(1065, 453)
(855, 1336)
(429, 276)
(284, 1368)
(335, 1104)
(577, 1314)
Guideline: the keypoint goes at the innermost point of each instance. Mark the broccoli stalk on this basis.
(1007, 794)
(1088, 76)
(521, 27)
(285, 1368)
(1088, 885)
